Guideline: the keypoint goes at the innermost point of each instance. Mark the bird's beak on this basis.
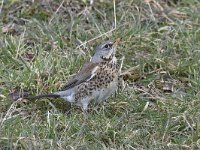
(116, 42)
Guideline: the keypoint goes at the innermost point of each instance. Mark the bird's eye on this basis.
(108, 46)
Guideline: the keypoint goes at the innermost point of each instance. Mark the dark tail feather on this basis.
(43, 96)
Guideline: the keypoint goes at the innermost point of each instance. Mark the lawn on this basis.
(44, 43)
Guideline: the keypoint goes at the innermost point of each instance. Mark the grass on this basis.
(159, 107)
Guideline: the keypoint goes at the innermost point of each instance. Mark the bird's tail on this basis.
(43, 96)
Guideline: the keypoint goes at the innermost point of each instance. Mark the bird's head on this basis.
(105, 51)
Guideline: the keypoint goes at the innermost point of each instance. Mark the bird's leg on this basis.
(85, 103)
(85, 113)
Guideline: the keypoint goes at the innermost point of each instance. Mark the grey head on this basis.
(104, 51)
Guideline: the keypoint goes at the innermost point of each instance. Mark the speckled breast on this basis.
(102, 85)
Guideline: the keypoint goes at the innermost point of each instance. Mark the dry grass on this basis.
(43, 43)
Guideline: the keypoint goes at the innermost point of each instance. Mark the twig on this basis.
(84, 43)
(9, 112)
(114, 6)
(56, 11)
(115, 27)
(121, 65)
(1, 6)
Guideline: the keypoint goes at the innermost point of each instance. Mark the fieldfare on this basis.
(95, 82)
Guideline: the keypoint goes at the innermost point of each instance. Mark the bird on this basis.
(95, 82)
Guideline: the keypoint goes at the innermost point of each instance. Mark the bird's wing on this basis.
(85, 74)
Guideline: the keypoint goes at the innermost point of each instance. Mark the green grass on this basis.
(42, 52)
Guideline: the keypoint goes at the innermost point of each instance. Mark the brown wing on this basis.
(85, 74)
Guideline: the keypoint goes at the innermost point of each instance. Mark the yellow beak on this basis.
(116, 42)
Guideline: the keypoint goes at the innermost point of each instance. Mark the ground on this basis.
(44, 43)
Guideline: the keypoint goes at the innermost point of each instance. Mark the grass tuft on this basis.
(43, 43)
